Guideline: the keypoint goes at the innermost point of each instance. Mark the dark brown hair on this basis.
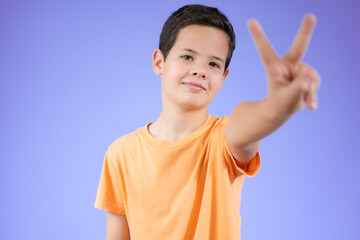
(195, 14)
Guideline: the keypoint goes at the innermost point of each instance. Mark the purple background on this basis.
(76, 75)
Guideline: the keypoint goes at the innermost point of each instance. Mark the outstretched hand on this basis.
(292, 84)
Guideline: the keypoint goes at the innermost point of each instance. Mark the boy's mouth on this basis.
(197, 87)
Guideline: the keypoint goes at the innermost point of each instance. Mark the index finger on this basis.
(263, 45)
(302, 39)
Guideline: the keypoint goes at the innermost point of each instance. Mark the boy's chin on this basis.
(192, 105)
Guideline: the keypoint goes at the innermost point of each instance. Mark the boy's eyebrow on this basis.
(195, 52)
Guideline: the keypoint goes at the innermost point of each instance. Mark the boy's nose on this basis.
(199, 73)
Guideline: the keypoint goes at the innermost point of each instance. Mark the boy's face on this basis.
(193, 72)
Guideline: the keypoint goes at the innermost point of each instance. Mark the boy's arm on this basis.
(292, 85)
(117, 227)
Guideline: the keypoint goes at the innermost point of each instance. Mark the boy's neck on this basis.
(174, 125)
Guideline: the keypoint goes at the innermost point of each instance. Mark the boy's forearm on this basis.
(251, 121)
(292, 85)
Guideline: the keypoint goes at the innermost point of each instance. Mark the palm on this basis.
(292, 84)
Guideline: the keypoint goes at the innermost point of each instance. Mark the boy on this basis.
(180, 177)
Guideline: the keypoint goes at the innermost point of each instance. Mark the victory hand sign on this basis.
(291, 84)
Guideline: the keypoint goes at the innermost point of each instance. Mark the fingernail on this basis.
(314, 105)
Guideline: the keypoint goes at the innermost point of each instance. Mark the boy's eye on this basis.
(214, 64)
(187, 57)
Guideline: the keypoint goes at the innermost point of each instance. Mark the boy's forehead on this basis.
(204, 39)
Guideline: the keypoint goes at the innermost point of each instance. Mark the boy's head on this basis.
(198, 15)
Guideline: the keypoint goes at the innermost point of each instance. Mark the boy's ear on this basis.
(158, 60)
(226, 73)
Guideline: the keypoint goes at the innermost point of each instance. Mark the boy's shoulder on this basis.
(126, 141)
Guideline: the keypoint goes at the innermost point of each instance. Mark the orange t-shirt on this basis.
(185, 189)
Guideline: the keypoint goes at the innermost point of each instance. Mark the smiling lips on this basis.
(197, 87)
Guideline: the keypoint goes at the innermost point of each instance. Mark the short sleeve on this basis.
(250, 169)
(109, 195)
